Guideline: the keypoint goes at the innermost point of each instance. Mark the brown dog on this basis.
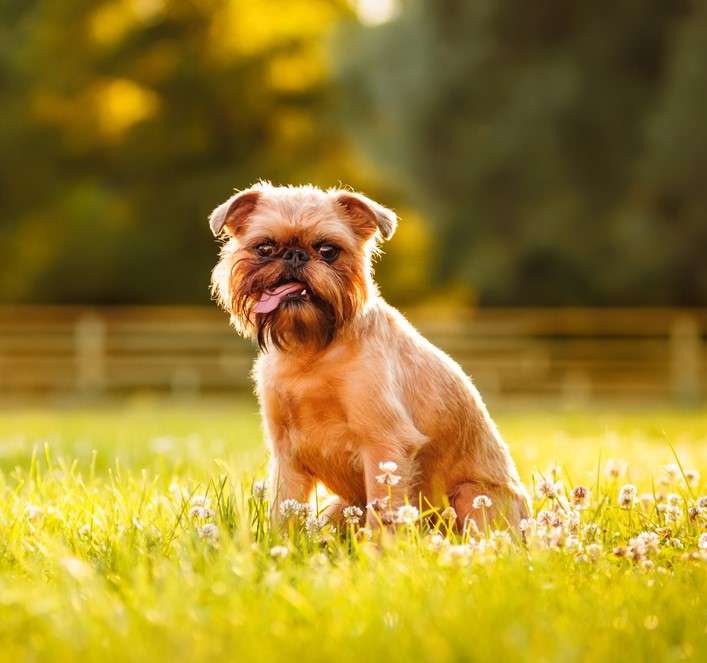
(345, 382)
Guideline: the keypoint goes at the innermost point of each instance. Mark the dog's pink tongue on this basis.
(271, 299)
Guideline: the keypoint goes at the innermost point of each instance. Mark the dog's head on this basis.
(297, 264)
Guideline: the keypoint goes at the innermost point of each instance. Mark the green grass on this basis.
(100, 558)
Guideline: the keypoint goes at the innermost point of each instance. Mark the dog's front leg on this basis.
(288, 481)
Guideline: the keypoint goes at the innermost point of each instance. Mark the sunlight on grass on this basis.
(141, 533)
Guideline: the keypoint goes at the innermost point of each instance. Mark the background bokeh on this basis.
(546, 161)
(546, 154)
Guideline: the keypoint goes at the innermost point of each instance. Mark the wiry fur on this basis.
(346, 381)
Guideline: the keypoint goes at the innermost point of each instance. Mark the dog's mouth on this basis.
(291, 291)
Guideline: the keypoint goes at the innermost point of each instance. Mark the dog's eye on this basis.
(329, 252)
(265, 250)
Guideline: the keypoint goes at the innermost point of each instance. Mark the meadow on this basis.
(138, 531)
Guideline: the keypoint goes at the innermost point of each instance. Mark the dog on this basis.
(351, 395)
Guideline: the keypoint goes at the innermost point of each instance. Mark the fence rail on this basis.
(572, 354)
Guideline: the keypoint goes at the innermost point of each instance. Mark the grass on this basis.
(104, 554)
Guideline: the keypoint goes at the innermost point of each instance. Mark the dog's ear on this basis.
(367, 216)
(232, 214)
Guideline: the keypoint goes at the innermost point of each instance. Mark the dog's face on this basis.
(297, 264)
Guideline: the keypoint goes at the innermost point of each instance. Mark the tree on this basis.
(125, 122)
(551, 145)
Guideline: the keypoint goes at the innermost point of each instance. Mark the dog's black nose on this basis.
(295, 256)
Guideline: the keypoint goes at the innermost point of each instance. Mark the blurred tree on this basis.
(126, 121)
(555, 151)
(557, 147)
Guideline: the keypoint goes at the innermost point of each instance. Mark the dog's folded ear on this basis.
(367, 216)
(232, 214)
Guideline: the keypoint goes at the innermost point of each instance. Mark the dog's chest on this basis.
(309, 422)
(322, 443)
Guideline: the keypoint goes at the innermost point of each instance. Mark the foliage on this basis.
(558, 149)
(537, 155)
(127, 121)
(166, 553)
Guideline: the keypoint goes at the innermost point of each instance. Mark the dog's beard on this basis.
(308, 323)
(333, 297)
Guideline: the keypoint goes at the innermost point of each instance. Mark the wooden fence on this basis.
(567, 354)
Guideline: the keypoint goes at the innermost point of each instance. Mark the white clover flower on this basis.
(319, 560)
(615, 469)
(388, 476)
(545, 518)
(260, 490)
(676, 543)
(674, 499)
(580, 497)
(448, 514)
(620, 551)
(526, 525)
(381, 507)
(554, 472)
(380, 504)
(572, 520)
(673, 513)
(76, 568)
(548, 489)
(291, 508)
(560, 518)
(692, 477)
(163, 444)
(33, 512)
(556, 537)
(702, 502)
(627, 496)
(650, 539)
(456, 554)
(200, 500)
(647, 565)
(178, 492)
(209, 532)
(313, 523)
(702, 543)
(636, 551)
(279, 552)
(594, 551)
(365, 533)
(352, 515)
(672, 472)
(53, 512)
(437, 541)
(407, 514)
(200, 513)
(481, 502)
(646, 501)
(650, 542)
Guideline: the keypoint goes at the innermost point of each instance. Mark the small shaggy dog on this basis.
(347, 386)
